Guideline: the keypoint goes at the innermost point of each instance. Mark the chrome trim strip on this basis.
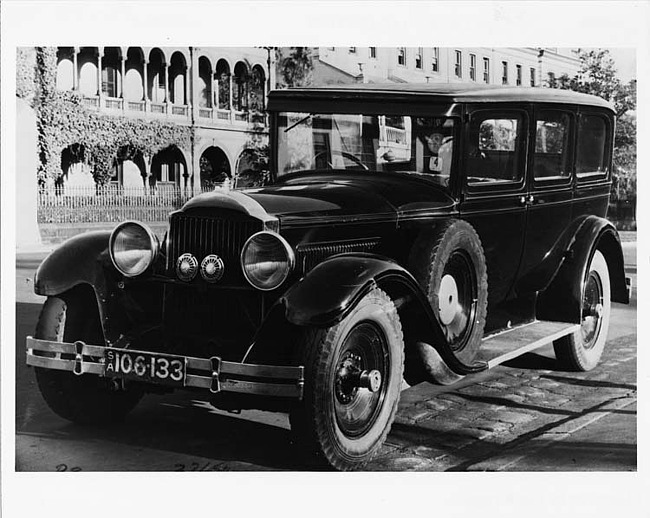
(64, 365)
(62, 347)
(288, 381)
(322, 221)
(248, 387)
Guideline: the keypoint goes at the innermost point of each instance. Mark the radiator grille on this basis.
(204, 235)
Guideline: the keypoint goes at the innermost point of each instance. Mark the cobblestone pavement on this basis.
(488, 423)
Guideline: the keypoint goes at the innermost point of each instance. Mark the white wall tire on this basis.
(581, 351)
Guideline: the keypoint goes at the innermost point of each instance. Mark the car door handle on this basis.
(527, 200)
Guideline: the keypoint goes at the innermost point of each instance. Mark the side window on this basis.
(495, 149)
(552, 149)
(593, 142)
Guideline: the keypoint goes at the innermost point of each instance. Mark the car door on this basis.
(549, 195)
(494, 191)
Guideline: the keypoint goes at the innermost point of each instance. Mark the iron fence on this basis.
(110, 204)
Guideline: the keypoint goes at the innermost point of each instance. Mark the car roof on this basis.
(441, 92)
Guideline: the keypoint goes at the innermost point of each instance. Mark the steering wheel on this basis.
(343, 154)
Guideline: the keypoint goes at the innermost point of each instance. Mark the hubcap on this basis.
(457, 299)
(448, 300)
(592, 310)
(360, 379)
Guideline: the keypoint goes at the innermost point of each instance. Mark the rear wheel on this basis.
(84, 399)
(582, 350)
(353, 377)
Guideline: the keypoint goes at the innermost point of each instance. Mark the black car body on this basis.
(454, 213)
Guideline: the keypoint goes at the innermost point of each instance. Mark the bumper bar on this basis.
(212, 374)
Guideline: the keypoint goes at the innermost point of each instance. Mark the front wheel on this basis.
(582, 350)
(353, 377)
(85, 399)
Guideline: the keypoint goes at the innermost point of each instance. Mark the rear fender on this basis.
(84, 260)
(563, 298)
(328, 293)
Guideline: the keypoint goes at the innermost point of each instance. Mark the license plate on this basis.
(143, 366)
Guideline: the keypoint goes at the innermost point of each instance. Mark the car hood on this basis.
(323, 198)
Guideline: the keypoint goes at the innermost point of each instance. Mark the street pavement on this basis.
(525, 415)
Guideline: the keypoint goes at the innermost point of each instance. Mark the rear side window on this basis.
(552, 138)
(593, 143)
(494, 149)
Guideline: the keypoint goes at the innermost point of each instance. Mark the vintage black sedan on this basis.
(420, 232)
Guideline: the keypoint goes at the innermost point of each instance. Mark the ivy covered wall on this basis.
(63, 121)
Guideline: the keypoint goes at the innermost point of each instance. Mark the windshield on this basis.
(357, 142)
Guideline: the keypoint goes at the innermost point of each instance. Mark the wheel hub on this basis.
(448, 300)
(593, 310)
(350, 377)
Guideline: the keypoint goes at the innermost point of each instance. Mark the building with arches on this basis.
(218, 92)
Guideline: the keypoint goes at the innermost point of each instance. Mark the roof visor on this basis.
(328, 98)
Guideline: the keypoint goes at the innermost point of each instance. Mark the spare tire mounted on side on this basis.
(454, 276)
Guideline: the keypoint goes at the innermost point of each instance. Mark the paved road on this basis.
(522, 416)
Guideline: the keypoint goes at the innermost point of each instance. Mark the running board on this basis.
(504, 346)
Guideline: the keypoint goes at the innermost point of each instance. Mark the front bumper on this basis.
(212, 374)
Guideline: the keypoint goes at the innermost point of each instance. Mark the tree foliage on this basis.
(26, 74)
(295, 67)
(598, 76)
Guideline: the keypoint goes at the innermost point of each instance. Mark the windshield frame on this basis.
(428, 110)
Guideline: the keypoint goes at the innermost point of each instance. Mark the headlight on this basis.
(133, 247)
(266, 260)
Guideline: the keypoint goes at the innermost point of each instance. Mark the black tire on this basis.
(337, 423)
(581, 351)
(455, 271)
(84, 399)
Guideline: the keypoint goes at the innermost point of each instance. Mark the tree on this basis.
(295, 66)
(597, 76)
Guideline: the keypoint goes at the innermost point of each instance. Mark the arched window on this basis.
(258, 88)
(156, 77)
(178, 79)
(240, 95)
(133, 82)
(65, 73)
(205, 83)
(111, 72)
(215, 168)
(222, 77)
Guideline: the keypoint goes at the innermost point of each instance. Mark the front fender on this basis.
(84, 260)
(328, 293)
(562, 301)
(80, 260)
